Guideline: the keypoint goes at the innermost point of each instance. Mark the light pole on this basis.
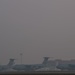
(21, 54)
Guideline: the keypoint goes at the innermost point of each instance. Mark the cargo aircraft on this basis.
(31, 67)
(8, 66)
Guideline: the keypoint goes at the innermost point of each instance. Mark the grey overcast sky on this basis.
(37, 28)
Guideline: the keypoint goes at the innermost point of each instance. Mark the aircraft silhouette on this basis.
(69, 67)
(8, 66)
(31, 67)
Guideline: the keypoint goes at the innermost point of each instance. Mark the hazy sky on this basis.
(37, 28)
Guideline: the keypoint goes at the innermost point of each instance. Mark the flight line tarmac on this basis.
(39, 72)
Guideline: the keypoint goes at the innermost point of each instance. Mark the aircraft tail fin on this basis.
(11, 62)
(45, 60)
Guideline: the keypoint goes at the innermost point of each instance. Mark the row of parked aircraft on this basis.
(20, 67)
(33, 67)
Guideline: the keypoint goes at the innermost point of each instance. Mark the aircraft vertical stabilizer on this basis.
(45, 60)
(11, 62)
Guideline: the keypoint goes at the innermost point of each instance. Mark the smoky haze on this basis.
(37, 28)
